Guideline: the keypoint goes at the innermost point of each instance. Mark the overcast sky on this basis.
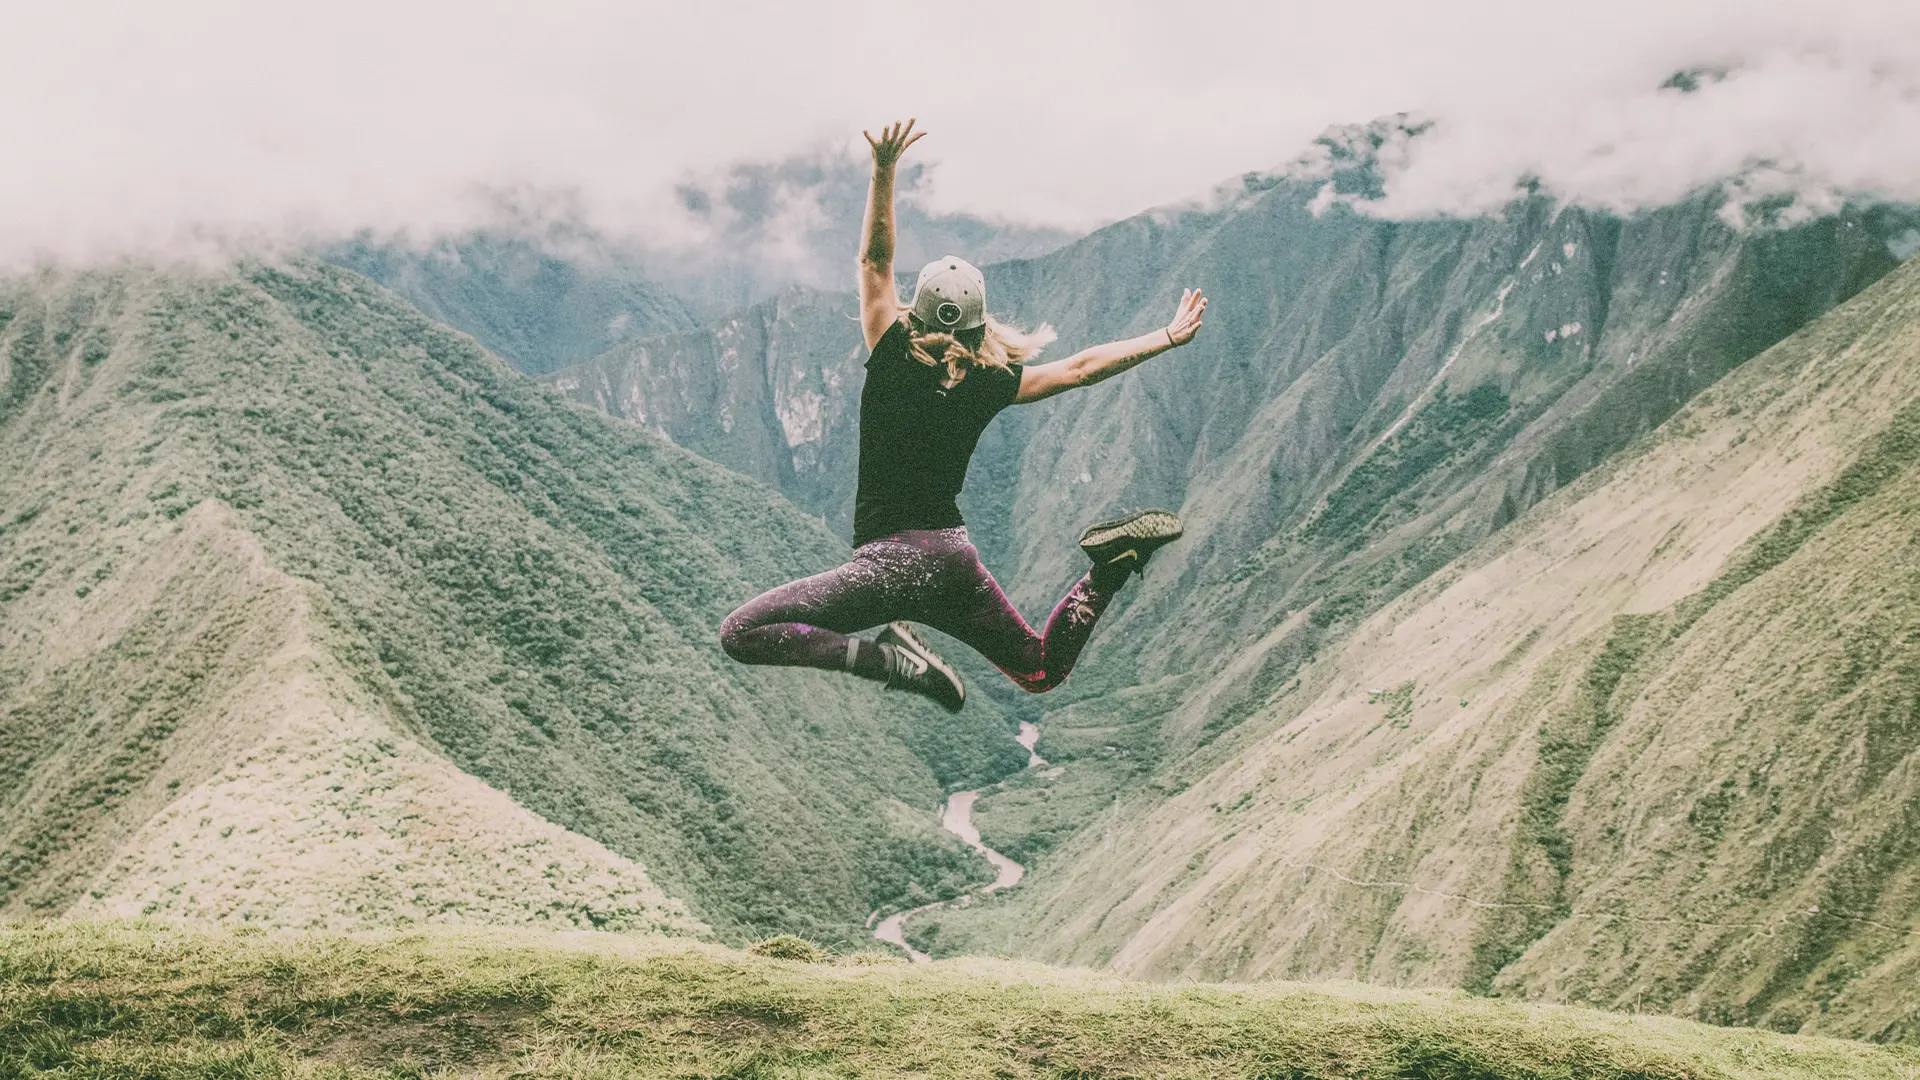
(145, 126)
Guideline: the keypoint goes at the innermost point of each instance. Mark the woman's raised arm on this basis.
(879, 299)
(1089, 366)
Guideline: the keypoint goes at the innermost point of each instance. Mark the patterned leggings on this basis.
(929, 576)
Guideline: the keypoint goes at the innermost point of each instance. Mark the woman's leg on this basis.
(808, 623)
(978, 612)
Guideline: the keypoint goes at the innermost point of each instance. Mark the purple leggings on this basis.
(929, 576)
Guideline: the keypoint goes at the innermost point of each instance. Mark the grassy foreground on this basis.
(157, 1000)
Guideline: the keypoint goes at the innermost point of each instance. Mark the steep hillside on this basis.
(771, 391)
(117, 999)
(540, 307)
(1373, 397)
(227, 769)
(281, 560)
(1652, 745)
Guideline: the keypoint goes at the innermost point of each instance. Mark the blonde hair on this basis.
(1000, 346)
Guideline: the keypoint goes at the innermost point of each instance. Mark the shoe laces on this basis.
(903, 666)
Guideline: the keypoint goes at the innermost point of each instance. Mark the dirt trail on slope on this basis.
(957, 818)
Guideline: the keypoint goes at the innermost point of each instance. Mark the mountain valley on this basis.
(1379, 408)
(1538, 629)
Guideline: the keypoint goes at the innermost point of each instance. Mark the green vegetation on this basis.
(1536, 898)
(1851, 671)
(1443, 429)
(1639, 646)
(1396, 703)
(788, 947)
(141, 1000)
(1651, 745)
(526, 586)
(537, 309)
(1529, 348)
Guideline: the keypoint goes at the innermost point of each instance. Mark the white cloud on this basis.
(141, 127)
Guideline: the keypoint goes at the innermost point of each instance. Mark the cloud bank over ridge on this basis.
(146, 129)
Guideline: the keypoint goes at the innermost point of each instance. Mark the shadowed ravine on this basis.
(957, 818)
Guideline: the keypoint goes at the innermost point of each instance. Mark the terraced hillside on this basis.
(1652, 745)
(312, 611)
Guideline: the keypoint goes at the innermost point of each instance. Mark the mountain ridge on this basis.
(490, 575)
(1402, 397)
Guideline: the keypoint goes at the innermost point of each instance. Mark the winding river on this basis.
(957, 818)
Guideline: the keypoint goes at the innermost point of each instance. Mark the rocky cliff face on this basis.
(772, 392)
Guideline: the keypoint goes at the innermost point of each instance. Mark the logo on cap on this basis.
(948, 313)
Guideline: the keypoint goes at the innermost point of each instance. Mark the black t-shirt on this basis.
(917, 436)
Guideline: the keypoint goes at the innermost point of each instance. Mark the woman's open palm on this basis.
(1186, 318)
(892, 143)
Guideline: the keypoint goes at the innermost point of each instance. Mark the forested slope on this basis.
(771, 391)
(538, 305)
(277, 513)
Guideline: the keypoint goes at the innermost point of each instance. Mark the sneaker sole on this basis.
(1159, 525)
(904, 635)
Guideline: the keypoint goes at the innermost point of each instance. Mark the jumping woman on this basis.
(936, 374)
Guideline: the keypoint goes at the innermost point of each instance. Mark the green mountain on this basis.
(311, 610)
(772, 391)
(539, 305)
(1651, 745)
(1375, 403)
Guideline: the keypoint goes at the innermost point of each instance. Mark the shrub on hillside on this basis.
(789, 947)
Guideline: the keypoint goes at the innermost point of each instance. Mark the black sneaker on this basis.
(911, 665)
(1130, 541)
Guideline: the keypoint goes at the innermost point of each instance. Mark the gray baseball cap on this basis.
(951, 295)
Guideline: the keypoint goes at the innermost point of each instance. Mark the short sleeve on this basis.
(891, 346)
(1005, 386)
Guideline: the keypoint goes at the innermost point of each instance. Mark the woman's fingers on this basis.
(1186, 318)
(894, 138)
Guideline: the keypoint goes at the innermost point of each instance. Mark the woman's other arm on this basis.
(1101, 362)
(879, 300)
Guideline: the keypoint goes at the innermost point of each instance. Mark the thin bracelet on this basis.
(1169, 331)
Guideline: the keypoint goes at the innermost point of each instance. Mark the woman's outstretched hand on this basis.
(1186, 319)
(892, 143)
